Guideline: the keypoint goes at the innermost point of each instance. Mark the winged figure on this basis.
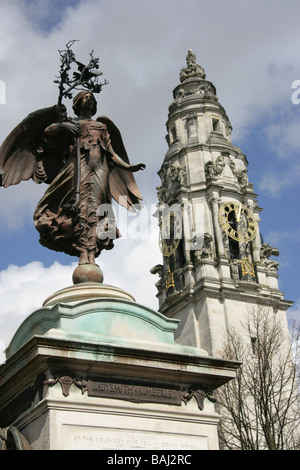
(85, 164)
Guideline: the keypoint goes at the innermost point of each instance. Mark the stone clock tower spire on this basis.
(215, 262)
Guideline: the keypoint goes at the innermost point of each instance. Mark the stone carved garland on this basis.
(228, 128)
(161, 194)
(200, 396)
(66, 381)
(173, 177)
(192, 126)
(192, 119)
(214, 170)
(205, 90)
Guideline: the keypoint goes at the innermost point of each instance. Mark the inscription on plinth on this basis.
(136, 393)
(93, 438)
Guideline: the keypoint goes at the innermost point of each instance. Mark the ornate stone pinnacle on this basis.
(192, 69)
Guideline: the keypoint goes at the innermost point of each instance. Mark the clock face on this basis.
(238, 221)
(170, 234)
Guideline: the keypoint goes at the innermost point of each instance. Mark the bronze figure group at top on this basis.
(83, 160)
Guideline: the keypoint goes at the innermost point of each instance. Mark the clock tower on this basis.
(215, 263)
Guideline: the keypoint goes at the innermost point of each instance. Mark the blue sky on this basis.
(249, 50)
(45, 16)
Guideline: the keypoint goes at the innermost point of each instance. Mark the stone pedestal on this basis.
(92, 369)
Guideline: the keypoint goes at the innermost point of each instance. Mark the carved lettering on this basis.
(134, 392)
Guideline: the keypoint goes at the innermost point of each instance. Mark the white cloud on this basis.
(2, 351)
(274, 183)
(17, 205)
(128, 266)
(279, 236)
(23, 290)
(283, 135)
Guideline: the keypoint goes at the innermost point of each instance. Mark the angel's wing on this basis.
(123, 187)
(24, 153)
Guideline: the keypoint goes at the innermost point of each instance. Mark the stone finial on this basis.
(192, 69)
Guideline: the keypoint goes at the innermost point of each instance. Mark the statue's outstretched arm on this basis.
(126, 166)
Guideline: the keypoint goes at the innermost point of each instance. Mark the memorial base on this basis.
(92, 369)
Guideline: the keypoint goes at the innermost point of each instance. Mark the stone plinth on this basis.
(92, 369)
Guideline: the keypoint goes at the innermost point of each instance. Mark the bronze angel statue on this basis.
(85, 164)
